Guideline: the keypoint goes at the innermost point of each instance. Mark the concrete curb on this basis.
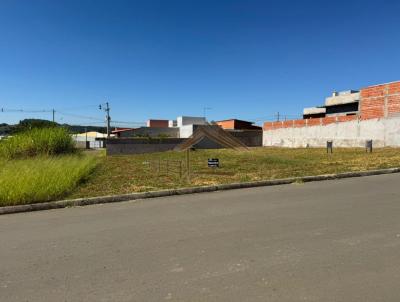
(163, 193)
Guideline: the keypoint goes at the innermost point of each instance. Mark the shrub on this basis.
(37, 141)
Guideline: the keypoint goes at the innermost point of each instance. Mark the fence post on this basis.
(329, 146)
(188, 164)
(180, 169)
(368, 146)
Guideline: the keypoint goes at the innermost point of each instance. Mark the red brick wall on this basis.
(287, 124)
(309, 122)
(268, 126)
(328, 120)
(393, 105)
(375, 98)
(394, 87)
(227, 124)
(346, 118)
(299, 123)
(393, 99)
(314, 122)
(157, 123)
(372, 102)
(237, 124)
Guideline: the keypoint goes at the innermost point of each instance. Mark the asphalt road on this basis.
(323, 241)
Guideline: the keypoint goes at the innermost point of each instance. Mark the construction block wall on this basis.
(377, 119)
(320, 121)
(380, 101)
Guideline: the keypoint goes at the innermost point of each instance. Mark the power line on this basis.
(93, 120)
(133, 123)
(88, 124)
(24, 110)
(80, 116)
(46, 110)
(78, 107)
(100, 119)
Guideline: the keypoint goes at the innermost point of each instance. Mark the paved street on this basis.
(322, 241)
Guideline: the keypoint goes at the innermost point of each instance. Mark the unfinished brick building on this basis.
(347, 118)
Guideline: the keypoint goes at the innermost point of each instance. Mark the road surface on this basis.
(323, 241)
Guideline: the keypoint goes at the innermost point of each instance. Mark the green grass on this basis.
(42, 179)
(37, 141)
(126, 174)
(46, 178)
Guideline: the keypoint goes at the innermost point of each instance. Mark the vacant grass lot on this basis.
(138, 173)
(42, 179)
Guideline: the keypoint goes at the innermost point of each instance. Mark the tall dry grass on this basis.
(42, 179)
(37, 141)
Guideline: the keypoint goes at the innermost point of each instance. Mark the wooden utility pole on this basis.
(108, 118)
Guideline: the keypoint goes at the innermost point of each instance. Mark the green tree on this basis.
(29, 124)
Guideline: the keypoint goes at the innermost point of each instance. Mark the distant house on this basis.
(118, 132)
(172, 123)
(163, 135)
(235, 124)
(91, 135)
(188, 124)
(182, 127)
(190, 120)
(94, 139)
(157, 123)
(147, 132)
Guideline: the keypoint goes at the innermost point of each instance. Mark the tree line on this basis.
(28, 124)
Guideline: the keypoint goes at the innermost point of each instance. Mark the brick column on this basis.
(385, 105)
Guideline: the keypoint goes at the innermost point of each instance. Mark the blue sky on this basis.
(161, 59)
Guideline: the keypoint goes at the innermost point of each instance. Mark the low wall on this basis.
(140, 145)
(91, 144)
(120, 146)
(354, 133)
(251, 138)
(151, 132)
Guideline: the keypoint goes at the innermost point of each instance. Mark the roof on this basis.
(189, 116)
(91, 134)
(314, 110)
(122, 130)
(238, 125)
(234, 119)
(214, 133)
